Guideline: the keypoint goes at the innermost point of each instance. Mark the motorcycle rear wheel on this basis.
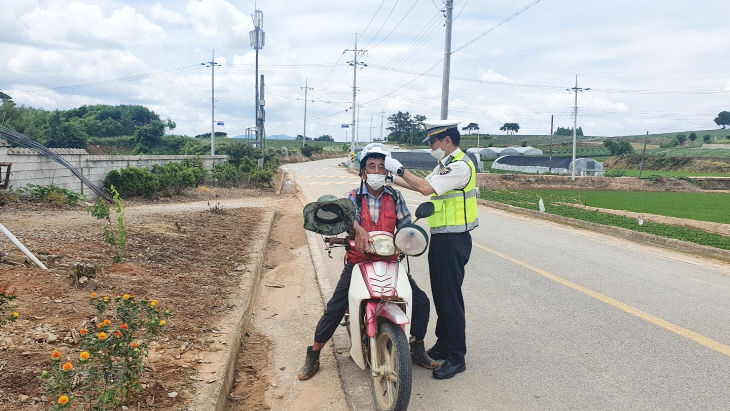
(391, 373)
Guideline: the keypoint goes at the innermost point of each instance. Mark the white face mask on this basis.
(376, 181)
(438, 154)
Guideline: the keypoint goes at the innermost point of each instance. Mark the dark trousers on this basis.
(447, 256)
(337, 306)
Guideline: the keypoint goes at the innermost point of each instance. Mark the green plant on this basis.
(111, 362)
(52, 194)
(615, 173)
(116, 237)
(6, 310)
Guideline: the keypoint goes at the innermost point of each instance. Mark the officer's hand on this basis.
(392, 164)
(362, 240)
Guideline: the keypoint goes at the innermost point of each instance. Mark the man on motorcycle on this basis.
(379, 208)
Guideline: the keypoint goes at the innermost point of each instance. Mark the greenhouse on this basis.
(542, 165)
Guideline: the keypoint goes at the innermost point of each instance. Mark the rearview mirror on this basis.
(425, 210)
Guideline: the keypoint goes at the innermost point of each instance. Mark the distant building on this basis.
(541, 165)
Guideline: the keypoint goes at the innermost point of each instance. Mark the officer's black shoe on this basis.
(437, 355)
(311, 364)
(448, 370)
(420, 357)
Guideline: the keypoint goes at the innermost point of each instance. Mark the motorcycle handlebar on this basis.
(337, 240)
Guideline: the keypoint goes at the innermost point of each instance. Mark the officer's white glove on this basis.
(392, 164)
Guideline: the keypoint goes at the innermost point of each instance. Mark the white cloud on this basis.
(81, 25)
(491, 75)
(163, 15)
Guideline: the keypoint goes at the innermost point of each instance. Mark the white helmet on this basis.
(373, 148)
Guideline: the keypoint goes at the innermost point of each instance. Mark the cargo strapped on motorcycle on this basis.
(329, 215)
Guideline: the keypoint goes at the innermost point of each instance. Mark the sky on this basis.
(656, 66)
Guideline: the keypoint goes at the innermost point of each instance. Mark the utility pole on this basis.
(212, 64)
(357, 130)
(382, 113)
(304, 133)
(641, 165)
(371, 128)
(354, 63)
(447, 62)
(256, 37)
(550, 160)
(576, 89)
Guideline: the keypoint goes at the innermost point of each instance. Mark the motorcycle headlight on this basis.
(383, 244)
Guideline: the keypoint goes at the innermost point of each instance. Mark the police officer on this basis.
(453, 190)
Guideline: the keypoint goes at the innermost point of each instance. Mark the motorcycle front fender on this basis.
(387, 310)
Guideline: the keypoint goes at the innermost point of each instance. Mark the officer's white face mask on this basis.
(438, 154)
(376, 181)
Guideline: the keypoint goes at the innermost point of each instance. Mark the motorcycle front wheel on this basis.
(391, 368)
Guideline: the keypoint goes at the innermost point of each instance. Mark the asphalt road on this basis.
(561, 318)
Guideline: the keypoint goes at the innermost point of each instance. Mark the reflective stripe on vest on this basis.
(455, 211)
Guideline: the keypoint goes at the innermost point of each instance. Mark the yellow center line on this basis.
(698, 338)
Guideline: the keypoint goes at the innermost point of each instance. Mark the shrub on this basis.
(619, 147)
(111, 362)
(52, 194)
(615, 173)
(706, 138)
(693, 136)
(226, 174)
(681, 138)
(167, 179)
(308, 150)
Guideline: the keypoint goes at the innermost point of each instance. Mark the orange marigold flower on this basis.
(107, 322)
(63, 400)
(68, 366)
(100, 325)
(56, 354)
(93, 295)
(124, 326)
(163, 322)
(126, 296)
(83, 331)
(133, 345)
(106, 298)
(84, 356)
(118, 334)
(102, 336)
(153, 303)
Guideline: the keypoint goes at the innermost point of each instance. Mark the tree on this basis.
(471, 127)
(151, 134)
(681, 138)
(404, 128)
(324, 137)
(693, 136)
(563, 131)
(8, 109)
(723, 119)
(513, 127)
(618, 147)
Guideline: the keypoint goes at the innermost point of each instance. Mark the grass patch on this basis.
(714, 207)
(529, 200)
(668, 173)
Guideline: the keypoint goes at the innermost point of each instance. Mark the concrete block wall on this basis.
(30, 167)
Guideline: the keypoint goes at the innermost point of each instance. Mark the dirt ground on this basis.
(287, 310)
(183, 251)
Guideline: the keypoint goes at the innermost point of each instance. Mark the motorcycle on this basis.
(378, 318)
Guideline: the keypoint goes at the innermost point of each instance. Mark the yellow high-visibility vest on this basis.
(455, 211)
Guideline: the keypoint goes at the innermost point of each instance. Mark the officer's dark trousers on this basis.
(447, 256)
(337, 306)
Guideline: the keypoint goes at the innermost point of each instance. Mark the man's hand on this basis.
(392, 164)
(362, 239)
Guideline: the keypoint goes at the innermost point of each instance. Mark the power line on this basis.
(510, 17)
(372, 18)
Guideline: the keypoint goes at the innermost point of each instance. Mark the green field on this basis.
(668, 173)
(697, 206)
(713, 207)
